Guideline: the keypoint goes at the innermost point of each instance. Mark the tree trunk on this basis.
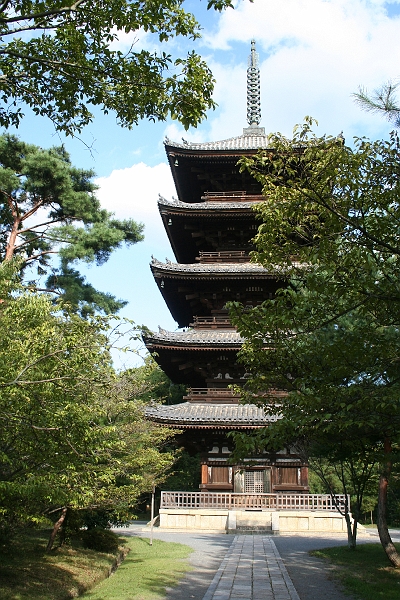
(56, 528)
(354, 532)
(351, 530)
(381, 521)
(10, 248)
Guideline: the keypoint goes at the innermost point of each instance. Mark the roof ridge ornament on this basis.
(253, 94)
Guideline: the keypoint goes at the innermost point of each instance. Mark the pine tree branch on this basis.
(49, 13)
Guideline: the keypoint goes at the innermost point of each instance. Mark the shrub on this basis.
(101, 540)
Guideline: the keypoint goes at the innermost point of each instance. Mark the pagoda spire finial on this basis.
(253, 88)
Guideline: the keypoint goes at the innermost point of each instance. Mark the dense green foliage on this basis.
(155, 385)
(49, 207)
(73, 433)
(330, 339)
(59, 58)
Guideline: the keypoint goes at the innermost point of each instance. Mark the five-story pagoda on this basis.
(210, 227)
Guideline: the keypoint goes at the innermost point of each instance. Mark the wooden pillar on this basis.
(204, 474)
(304, 476)
(274, 477)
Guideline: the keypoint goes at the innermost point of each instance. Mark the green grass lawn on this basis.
(27, 573)
(145, 572)
(365, 572)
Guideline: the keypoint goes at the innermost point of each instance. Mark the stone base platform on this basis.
(221, 520)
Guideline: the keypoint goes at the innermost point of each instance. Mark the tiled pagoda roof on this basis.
(205, 206)
(196, 338)
(252, 138)
(212, 269)
(191, 415)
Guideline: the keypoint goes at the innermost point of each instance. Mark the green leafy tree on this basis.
(185, 474)
(49, 207)
(330, 339)
(155, 385)
(73, 434)
(350, 471)
(57, 57)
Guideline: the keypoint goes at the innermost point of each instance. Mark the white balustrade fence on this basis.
(230, 501)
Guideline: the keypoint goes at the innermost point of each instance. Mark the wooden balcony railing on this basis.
(233, 196)
(230, 501)
(213, 395)
(230, 194)
(228, 256)
(221, 322)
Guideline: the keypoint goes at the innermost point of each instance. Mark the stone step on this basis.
(252, 531)
(253, 523)
(254, 527)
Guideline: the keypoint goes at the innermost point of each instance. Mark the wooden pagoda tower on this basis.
(210, 227)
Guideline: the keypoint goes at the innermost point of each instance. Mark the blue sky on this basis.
(313, 55)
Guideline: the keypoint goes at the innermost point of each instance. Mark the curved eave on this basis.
(206, 154)
(251, 140)
(210, 271)
(153, 346)
(187, 415)
(206, 209)
(187, 342)
(242, 427)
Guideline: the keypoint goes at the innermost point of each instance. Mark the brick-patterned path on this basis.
(252, 570)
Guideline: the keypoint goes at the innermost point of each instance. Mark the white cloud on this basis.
(133, 193)
(309, 22)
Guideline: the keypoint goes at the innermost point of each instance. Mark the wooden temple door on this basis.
(252, 481)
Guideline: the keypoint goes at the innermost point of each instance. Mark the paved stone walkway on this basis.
(252, 570)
